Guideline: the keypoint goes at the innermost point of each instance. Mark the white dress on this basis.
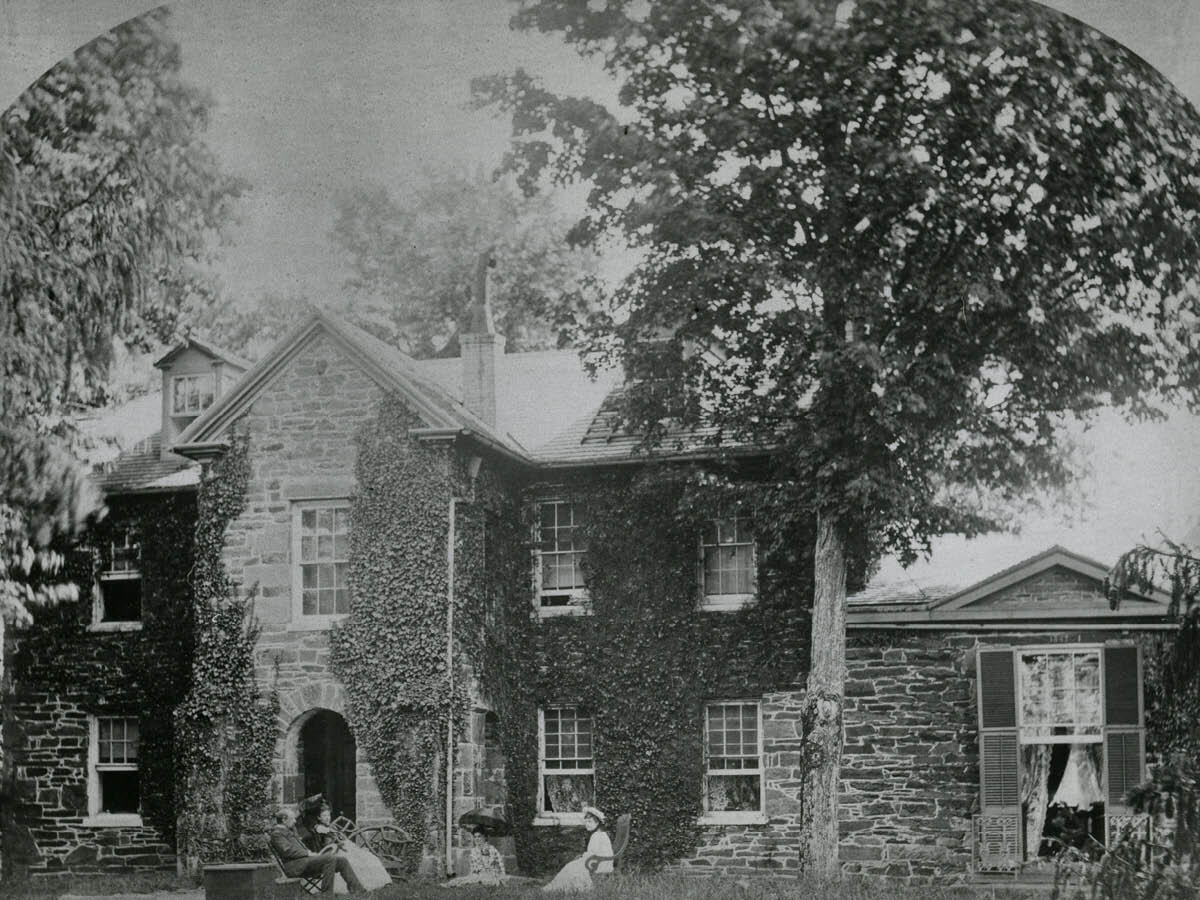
(574, 876)
(366, 865)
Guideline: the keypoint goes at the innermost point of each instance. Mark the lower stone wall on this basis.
(909, 775)
(48, 738)
(910, 764)
(770, 847)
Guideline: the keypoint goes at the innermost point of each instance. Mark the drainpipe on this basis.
(472, 472)
(450, 689)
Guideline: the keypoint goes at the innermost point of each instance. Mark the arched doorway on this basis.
(325, 752)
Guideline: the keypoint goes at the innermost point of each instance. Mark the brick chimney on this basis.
(480, 348)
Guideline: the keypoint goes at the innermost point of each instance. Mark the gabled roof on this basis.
(597, 438)
(538, 394)
(141, 468)
(440, 413)
(942, 599)
(192, 342)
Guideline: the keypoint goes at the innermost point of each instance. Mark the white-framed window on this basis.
(558, 557)
(118, 595)
(1061, 726)
(733, 770)
(320, 562)
(1062, 701)
(566, 764)
(114, 783)
(191, 394)
(728, 563)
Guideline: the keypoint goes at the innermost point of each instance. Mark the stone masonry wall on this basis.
(302, 447)
(910, 761)
(63, 672)
(910, 766)
(770, 847)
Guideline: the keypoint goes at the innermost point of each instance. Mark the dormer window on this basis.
(118, 603)
(191, 394)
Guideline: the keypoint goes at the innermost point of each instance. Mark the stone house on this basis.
(950, 749)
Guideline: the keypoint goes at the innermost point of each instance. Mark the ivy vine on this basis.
(646, 661)
(226, 725)
(143, 673)
(390, 652)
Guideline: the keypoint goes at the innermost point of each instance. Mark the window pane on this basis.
(733, 793)
(119, 792)
(325, 521)
(325, 601)
(121, 599)
(309, 602)
(206, 391)
(308, 519)
(569, 793)
(325, 546)
(342, 600)
(178, 397)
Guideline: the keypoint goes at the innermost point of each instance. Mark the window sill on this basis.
(113, 820)
(732, 818)
(570, 609)
(315, 623)
(115, 626)
(562, 819)
(727, 602)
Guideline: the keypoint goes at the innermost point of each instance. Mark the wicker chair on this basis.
(620, 841)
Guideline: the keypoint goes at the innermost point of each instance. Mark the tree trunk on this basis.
(823, 704)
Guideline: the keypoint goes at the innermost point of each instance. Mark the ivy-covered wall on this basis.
(391, 652)
(63, 673)
(301, 429)
(646, 660)
(225, 725)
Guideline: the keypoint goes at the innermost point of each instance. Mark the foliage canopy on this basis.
(108, 198)
(907, 240)
(903, 241)
(412, 261)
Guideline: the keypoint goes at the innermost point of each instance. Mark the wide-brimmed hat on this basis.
(594, 813)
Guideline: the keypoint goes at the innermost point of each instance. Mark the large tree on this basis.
(904, 241)
(108, 198)
(413, 260)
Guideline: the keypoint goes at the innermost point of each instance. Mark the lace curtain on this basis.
(1035, 794)
(568, 793)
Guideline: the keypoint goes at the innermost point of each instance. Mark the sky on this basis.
(314, 98)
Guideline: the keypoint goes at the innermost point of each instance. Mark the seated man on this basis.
(297, 860)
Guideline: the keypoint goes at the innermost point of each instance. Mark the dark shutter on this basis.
(1122, 686)
(1125, 764)
(998, 766)
(999, 753)
(997, 696)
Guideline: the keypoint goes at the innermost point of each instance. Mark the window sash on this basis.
(733, 749)
(117, 741)
(559, 727)
(728, 556)
(1066, 705)
(560, 545)
(322, 542)
(125, 553)
(192, 394)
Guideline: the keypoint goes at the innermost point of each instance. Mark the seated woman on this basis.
(487, 866)
(366, 865)
(575, 876)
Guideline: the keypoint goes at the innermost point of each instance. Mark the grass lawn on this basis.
(621, 887)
